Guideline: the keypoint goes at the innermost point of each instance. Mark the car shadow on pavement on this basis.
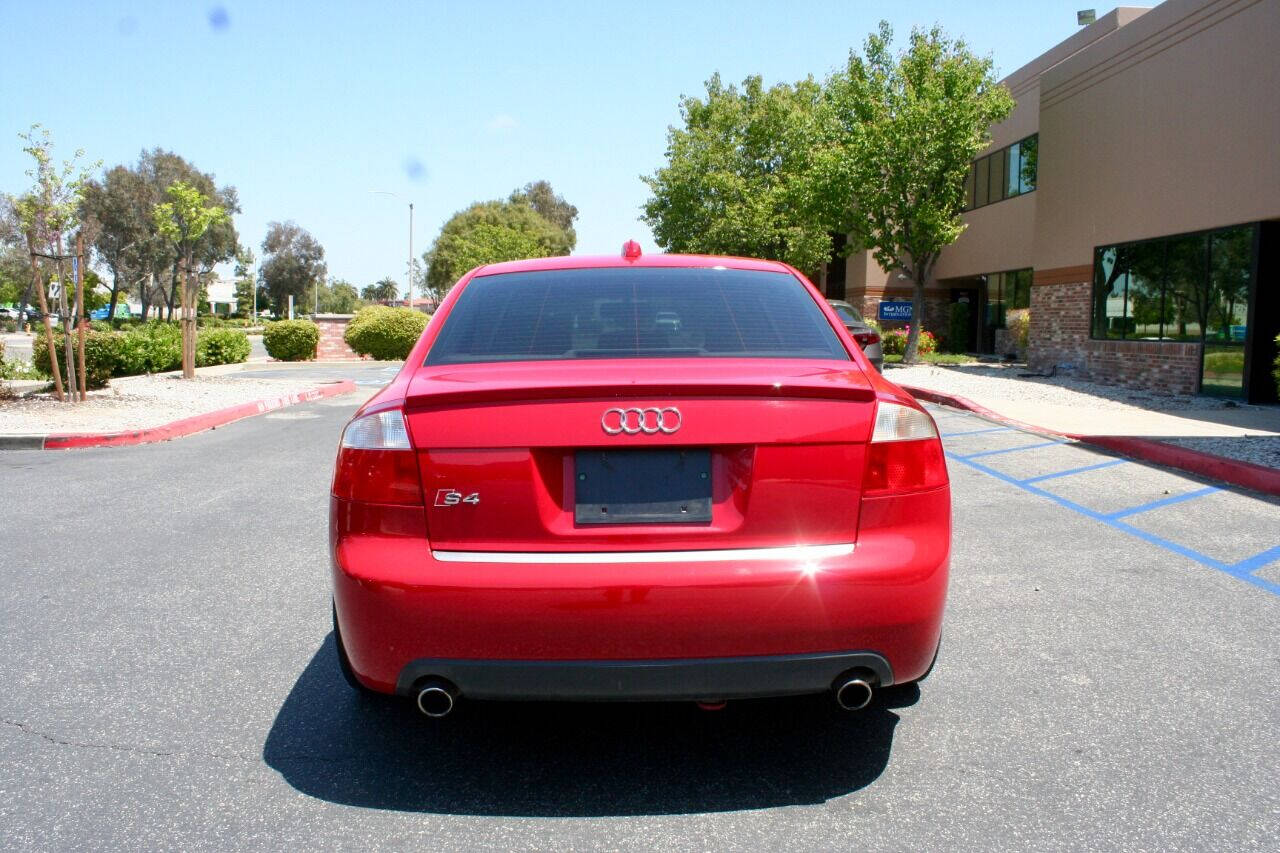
(573, 759)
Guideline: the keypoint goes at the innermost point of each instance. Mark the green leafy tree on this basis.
(899, 133)
(292, 264)
(385, 290)
(489, 232)
(543, 199)
(183, 220)
(338, 297)
(734, 182)
(161, 169)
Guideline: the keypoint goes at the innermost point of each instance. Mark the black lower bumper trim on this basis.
(646, 680)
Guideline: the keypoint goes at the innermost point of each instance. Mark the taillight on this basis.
(905, 454)
(866, 339)
(376, 462)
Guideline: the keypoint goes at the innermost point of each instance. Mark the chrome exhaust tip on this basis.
(854, 694)
(436, 698)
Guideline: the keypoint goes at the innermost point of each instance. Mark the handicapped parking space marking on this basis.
(1246, 569)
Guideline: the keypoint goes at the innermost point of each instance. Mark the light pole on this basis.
(408, 298)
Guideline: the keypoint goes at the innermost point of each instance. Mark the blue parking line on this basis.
(1257, 561)
(1242, 570)
(976, 432)
(1008, 450)
(1071, 471)
(1175, 499)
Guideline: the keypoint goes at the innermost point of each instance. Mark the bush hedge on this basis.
(386, 334)
(291, 340)
(100, 355)
(221, 346)
(958, 328)
(894, 342)
(153, 347)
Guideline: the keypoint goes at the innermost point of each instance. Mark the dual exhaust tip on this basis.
(437, 698)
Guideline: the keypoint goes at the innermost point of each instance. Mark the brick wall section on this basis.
(1059, 335)
(331, 346)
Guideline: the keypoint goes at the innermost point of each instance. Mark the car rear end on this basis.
(569, 493)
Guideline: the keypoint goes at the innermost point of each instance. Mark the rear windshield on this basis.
(634, 313)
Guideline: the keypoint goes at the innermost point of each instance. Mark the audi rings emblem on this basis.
(635, 421)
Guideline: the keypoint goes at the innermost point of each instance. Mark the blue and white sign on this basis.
(900, 311)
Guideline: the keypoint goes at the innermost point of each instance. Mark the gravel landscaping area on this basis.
(139, 402)
(1233, 428)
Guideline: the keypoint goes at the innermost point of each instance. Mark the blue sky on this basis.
(306, 108)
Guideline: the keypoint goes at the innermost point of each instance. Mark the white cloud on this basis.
(502, 123)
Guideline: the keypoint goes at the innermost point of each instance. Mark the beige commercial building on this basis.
(1131, 201)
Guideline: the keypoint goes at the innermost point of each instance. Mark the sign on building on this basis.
(900, 311)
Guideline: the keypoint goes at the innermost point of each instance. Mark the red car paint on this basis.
(791, 466)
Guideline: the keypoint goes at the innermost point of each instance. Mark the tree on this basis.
(385, 290)
(488, 232)
(899, 134)
(120, 205)
(338, 297)
(292, 264)
(183, 220)
(160, 169)
(734, 182)
(543, 199)
(47, 216)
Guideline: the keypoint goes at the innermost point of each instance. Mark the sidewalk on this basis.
(1235, 442)
(144, 409)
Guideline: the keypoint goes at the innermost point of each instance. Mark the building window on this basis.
(1008, 172)
(1190, 287)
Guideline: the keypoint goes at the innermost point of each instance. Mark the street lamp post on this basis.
(408, 297)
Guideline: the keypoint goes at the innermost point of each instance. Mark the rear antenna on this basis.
(631, 250)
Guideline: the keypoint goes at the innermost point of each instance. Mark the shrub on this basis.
(100, 356)
(386, 334)
(152, 347)
(221, 346)
(291, 340)
(1018, 322)
(894, 342)
(958, 327)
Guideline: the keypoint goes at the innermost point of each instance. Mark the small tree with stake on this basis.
(49, 216)
(183, 220)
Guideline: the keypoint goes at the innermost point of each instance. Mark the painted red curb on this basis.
(1259, 478)
(195, 423)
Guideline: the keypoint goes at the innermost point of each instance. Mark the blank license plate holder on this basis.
(642, 486)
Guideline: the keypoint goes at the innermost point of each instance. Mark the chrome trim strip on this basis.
(789, 552)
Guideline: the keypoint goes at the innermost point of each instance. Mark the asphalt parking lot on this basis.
(1108, 678)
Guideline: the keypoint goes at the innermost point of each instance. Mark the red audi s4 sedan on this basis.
(638, 478)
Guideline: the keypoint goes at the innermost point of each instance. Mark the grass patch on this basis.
(935, 358)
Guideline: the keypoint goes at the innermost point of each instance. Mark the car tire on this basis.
(344, 664)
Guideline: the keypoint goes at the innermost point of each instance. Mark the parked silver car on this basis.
(867, 337)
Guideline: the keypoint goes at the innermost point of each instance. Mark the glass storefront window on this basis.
(1230, 256)
(1191, 287)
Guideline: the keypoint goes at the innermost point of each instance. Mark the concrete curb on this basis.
(1245, 474)
(175, 429)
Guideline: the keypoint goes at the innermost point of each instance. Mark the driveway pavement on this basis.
(1108, 679)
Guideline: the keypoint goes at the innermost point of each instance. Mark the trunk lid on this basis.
(778, 446)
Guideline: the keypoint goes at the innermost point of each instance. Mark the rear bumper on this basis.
(644, 630)
(645, 680)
